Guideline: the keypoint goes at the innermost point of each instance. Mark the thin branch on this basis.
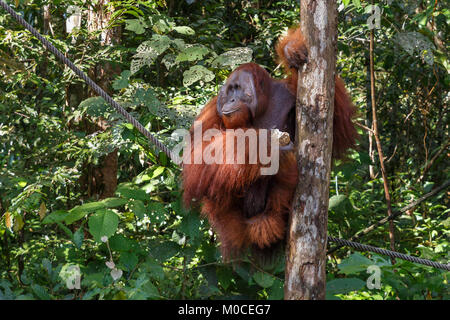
(378, 143)
(21, 114)
(363, 127)
(393, 154)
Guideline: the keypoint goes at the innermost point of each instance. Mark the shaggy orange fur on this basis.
(344, 132)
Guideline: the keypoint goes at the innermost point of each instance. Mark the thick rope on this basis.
(89, 81)
(392, 254)
(169, 153)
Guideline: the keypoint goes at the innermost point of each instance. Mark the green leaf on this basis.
(233, 58)
(357, 3)
(75, 215)
(65, 229)
(78, 237)
(263, 279)
(150, 290)
(184, 30)
(160, 43)
(243, 273)
(179, 207)
(193, 53)
(178, 239)
(224, 276)
(148, 51)
(122, 81)
(156, 212)
(91, 293)
(138, 208)
(154, 269)
(337, 201)
(22, 184)
(103, 223)
(416, 43)
(69, 272)
(340, 204)
(90, 207)
(80, 212)
(163, 250)
(56, 216)
(114, 202)
(95, 106)
(148, 98)
(162, 25)
(40, 292)
(135, 25)
(427, 186)
(158, 171)
(119, 242)
(364, 158)
(130, 193)
(190, 225)
(169, 61)
(46, 263)
(143, 289)
(276, 291)
(129, 260)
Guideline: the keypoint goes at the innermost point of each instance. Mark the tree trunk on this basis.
(307, 237)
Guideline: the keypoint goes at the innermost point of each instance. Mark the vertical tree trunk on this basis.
(307, 237)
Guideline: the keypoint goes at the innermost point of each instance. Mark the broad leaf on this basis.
(195, 74)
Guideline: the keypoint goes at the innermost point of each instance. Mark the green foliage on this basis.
(141, 243)
(103, 223)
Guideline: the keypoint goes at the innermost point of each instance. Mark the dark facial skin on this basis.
(251, 98)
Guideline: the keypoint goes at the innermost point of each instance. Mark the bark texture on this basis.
(307, 235)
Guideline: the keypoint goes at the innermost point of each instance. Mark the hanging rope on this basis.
(169, 153)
